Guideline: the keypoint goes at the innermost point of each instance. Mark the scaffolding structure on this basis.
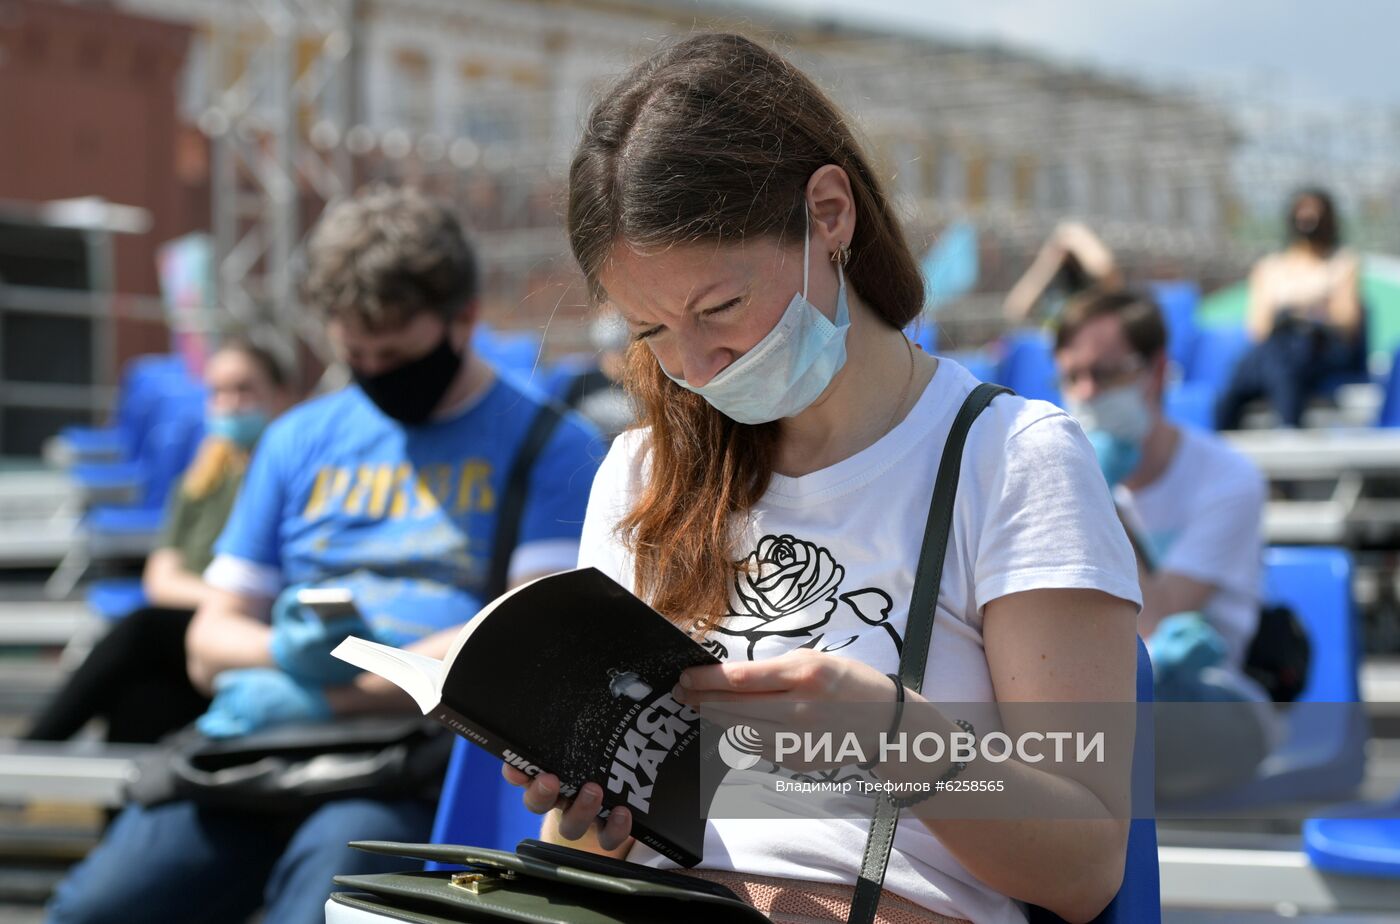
(480, 101)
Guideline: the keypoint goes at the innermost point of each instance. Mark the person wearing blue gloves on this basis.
(253, 698)
(1194, 510)
(390, 488)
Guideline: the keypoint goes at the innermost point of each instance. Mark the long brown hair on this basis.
(714, 139)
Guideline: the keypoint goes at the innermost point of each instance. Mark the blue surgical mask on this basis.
(242, 428)
(1122, 412)
(790, 367)
(1117, 422)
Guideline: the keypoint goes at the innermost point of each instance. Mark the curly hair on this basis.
(386, 255)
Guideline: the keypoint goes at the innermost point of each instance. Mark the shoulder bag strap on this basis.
(918, 633)
(516, 492)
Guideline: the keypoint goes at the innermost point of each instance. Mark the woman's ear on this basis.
(832, 209)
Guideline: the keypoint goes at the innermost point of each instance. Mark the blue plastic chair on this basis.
(1139, 898)
(116, 598)
(1178, 299)
(131, 416)
(1356, 846)
(1190, 403)
(1390, 407)
(477, 805)
(480, 808)
(1323, 753)
(1316, 582)
(167, 452)
(169, 398)
(1028, 366)
(1215, 355)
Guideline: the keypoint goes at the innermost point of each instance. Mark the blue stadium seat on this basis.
(1356, 846)
(1214, 356)
(166, 453)
(1390, 407)
(1323, 753)
(102, 477)
(1190, 403)
(131, 417)
(116, 598)
(1139, 898)
(111, 520)
(1028, 366)
(168, 399)
(1178, 299)
(477, 806)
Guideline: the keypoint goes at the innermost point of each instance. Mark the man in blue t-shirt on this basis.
(391, 488)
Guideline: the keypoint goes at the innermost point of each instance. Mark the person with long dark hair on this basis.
(772, 499)
(1304, 316)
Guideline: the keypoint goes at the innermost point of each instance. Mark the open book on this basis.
(572, 674)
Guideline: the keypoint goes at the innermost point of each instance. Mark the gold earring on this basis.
(841, 254)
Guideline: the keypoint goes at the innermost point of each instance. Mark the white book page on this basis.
(418, 675)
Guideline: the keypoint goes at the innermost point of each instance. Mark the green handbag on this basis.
(540, 883)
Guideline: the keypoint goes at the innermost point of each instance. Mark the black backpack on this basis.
(1280, 653)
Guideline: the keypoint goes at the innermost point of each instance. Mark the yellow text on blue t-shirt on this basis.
(400, 491)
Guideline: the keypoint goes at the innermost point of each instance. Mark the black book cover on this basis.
(572, 674)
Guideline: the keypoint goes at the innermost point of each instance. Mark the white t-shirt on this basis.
(1032, 511)
(1203, 519)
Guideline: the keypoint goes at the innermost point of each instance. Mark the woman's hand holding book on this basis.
(577, 816)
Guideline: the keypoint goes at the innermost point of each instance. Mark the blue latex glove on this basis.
(250, 700)
(301, 643)
(1182, 649)
(1117, 457)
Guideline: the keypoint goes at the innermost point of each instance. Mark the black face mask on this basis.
(409, 393)
(1309, 229)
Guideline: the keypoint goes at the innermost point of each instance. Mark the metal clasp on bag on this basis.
(477, 882)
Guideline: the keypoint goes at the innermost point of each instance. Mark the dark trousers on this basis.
(134, 678)
(1286, 370)
(177, 863)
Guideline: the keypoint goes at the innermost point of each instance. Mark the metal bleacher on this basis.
(1230, 866)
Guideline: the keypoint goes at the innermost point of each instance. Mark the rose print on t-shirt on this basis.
(788, 588)
(785, 587)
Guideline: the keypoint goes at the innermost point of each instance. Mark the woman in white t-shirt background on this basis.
(773, 497)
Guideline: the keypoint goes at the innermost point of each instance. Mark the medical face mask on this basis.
(1122, 412)
(790, 367)
(242, 428)
(1117, 422)
(409, 393)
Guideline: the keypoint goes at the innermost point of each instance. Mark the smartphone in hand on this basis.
(329, 603)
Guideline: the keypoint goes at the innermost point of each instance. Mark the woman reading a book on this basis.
(773, 498)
